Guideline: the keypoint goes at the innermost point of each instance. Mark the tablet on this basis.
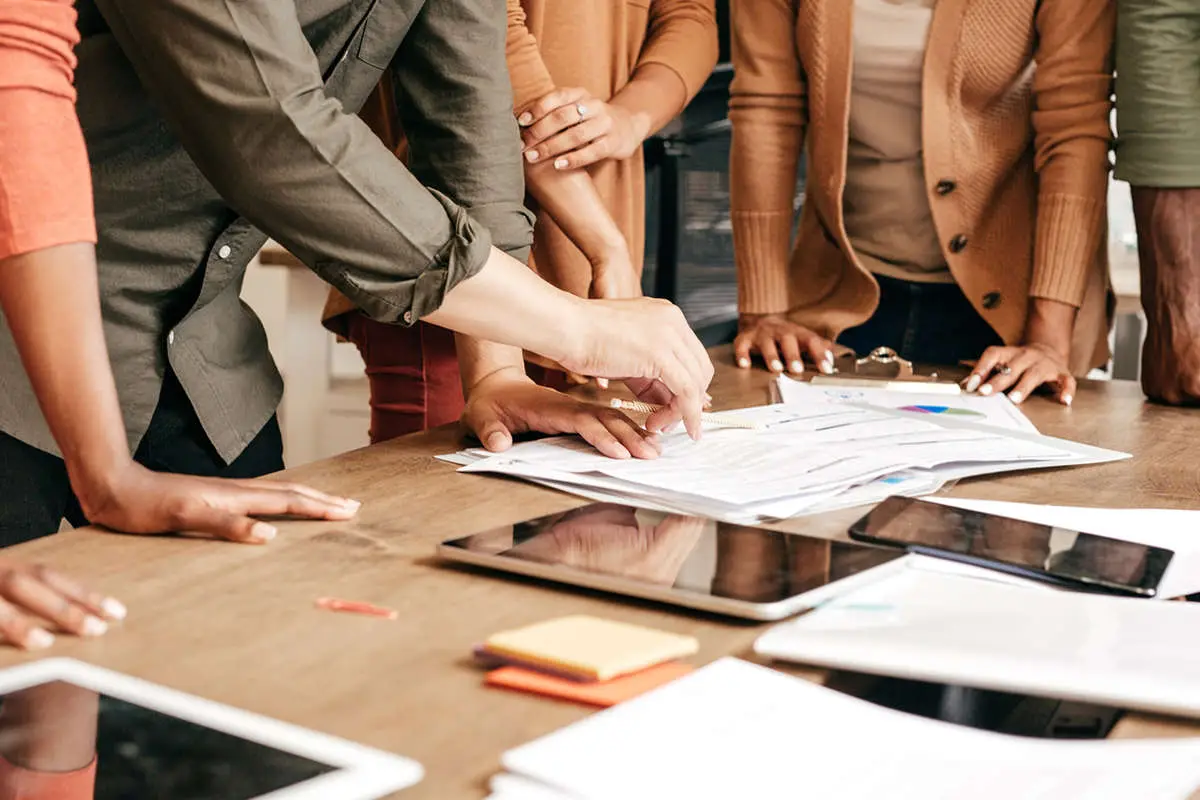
(698, 563)
(149, 741)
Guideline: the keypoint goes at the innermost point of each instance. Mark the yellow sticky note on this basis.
(591, 648)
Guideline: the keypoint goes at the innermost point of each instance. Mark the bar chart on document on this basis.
(812, 454)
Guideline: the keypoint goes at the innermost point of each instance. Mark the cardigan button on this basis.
(945, 187)
(991, 300)
(958, 243)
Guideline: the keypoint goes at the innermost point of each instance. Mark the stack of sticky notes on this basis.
(585, 659)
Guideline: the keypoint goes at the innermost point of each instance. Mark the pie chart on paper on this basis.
(947, 410)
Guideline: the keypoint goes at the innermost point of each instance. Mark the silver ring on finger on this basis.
(582, 109)
(1004, 369)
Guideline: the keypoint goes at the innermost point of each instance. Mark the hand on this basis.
(574, 129)
(29, 591)
(1023, 369)
(780, 341)
(647, 343)
(137, 500)
(507, 403)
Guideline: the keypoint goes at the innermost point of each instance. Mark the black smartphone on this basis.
(1060, 556)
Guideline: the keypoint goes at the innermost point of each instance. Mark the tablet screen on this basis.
(71, 731)
(690, 554)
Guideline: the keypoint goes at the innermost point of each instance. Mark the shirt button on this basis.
(170, 337)
(958, 243)
(945, 187)
(991, 300)
(408, 318)
(224, 251)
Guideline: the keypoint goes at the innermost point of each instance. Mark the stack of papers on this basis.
(948, 626)
(734, 730)
(808, 456)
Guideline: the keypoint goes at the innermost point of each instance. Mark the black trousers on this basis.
(926, 323)
(35, 493)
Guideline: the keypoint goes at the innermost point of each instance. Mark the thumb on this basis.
(491, 431)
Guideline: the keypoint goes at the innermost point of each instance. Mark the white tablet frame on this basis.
(360, 773)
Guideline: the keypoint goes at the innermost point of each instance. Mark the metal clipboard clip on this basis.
(883, 368)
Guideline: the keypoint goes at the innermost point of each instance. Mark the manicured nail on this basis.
(1067, 400)
(829, 357)
(744, 363)
(1016, 397)
(797, 367)
(986, 389)
(602, 383)
(776, 366)
(531, 156)
(973, 383)
(525, 118)
(94, 626)
(39, 639)
(827, 367)
(351, 505)
(496, 441)
(263, 532)
(113, 608)
(561, 163)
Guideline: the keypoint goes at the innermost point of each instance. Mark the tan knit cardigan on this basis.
(1016, 104)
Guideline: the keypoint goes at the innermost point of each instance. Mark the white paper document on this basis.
(947, 627)
(804, 458)
(995, 410)
(738, 730)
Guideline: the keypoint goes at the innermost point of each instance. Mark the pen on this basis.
(724, 420)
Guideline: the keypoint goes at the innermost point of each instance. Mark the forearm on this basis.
(570, 199)
(479, 359)
(1051, 323)
(505, 302)
(654, 96)
(50, 298)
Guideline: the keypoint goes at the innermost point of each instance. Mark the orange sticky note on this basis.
(596, 693)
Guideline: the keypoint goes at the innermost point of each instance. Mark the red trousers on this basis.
(413, 374)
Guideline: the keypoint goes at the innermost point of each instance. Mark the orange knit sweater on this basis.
(1016, 159)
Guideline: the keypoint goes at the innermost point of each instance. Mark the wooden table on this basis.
(236, 623)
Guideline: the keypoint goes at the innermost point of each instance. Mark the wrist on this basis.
(97, 479)
(1050, 324)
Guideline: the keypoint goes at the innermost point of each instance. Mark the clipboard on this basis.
(883, 368)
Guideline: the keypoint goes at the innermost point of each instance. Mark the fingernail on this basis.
(496, 441)
(744, 363)
(39, 639)
(973, 383)
(797, 367)
(829, 356)
(986, 389)
(94, 626)
(602, 383)
(351, 505)
(560, 163)
(1016, 397)
(113, 608)
(827, 367)
(525, 118)
(263, 532)
(776, 366)
(531, 156)
(1067, 399)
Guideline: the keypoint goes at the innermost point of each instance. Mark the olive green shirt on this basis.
(1158, 93)
(211, 124)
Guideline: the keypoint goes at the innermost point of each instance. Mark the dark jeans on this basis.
(35, 493)
(926, 323)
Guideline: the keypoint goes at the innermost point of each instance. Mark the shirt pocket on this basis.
(385, 27)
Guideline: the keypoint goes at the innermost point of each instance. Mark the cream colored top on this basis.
(888, 219)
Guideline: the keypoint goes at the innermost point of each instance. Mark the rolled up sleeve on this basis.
(242, 89)
(1158, 93)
